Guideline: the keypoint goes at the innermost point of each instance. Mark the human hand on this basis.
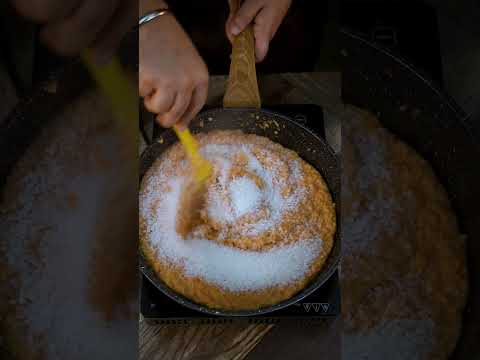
(70, 26)
(266, 16)
(173, 79)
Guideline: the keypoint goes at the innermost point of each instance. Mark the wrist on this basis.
(154, 11)
(145, 6)
(160, 26)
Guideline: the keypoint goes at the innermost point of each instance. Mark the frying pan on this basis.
(413, 107)
(242, 112)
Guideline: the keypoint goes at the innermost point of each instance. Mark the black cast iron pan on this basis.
(414, 108)
(290, 134)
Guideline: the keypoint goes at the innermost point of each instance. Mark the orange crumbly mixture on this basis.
(313, 216)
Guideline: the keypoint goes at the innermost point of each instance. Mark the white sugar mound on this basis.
(228, 267)
(245, 195)
(234, 199)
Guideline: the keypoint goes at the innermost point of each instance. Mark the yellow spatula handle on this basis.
(202, 167)
(189, 142)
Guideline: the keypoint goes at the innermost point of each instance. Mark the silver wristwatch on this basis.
(149, 16)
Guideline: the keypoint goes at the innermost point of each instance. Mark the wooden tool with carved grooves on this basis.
(242, 86)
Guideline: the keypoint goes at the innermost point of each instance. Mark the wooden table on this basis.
(261, 341)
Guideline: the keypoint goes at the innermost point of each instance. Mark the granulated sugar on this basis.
(233, 199)
(256, 186)
(225, 266)
(245, 195)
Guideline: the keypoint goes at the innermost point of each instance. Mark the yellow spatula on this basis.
(194, 194)
(202, 168)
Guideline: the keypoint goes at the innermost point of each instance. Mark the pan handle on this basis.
(242, 87)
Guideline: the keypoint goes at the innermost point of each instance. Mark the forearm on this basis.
(145, 6)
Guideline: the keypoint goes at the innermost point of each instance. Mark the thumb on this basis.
(244, 16)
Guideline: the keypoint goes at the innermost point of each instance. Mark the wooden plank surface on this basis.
(236, 341)
(209, 342)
